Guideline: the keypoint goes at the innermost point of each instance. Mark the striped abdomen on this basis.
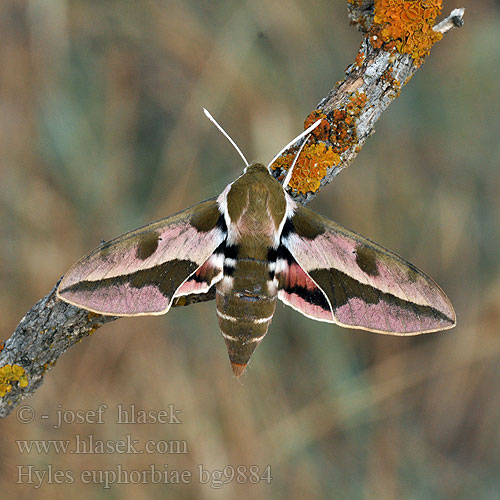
(245, 307)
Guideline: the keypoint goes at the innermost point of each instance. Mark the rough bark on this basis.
(371, 83)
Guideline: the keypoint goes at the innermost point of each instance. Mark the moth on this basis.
(254, 244)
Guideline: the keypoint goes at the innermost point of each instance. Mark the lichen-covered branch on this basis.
(48, 330)
(396, 41)
(398, 35)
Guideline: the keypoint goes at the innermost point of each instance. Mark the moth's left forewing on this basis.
(366, 285)
(140, 272)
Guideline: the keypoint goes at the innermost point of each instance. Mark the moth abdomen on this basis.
(243, 321)
(245, 306)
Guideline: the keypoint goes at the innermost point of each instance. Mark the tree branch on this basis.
(391, 52)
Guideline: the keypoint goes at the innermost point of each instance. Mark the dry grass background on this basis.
(101, 130)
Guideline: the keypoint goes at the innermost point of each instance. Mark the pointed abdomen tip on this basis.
(238, 369)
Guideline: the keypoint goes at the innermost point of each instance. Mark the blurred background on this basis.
(101, 130)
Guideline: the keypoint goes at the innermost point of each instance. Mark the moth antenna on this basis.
(292, 142)
(290, 170)
(226, 135)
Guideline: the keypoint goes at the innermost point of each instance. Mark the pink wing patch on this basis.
(206, 276)
(299, 291)
(386, 317)
(121, 300)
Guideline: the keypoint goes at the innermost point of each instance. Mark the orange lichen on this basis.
(407, 26)
(356, 103)
(376, 41)
(343, 130)
(359, 59)
(2, 345)
(10, 374)
(334, 135)
(322, 131)
(310, 168)
(387, 76)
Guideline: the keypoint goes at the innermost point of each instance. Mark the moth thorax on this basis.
(256, 203)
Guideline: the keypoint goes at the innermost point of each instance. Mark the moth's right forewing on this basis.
(367, 286)
(139, 272)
